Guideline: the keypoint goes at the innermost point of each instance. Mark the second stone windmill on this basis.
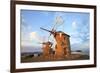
(62, 46)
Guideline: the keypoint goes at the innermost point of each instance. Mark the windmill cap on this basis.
(63, 33)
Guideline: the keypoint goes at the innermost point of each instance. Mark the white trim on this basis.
(58, 63)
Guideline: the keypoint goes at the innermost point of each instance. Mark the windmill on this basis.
(46, 47)
(62, 47)
(57, 22)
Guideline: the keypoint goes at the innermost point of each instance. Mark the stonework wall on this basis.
(63, 45)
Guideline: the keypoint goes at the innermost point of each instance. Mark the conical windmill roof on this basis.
(63, 33)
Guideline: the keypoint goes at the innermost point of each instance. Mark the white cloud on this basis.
(81, 46)
(26, 43)
(45, 13)
(75, 40)
(35, 37)
(80, 32)
(74, 25)
(30, 39)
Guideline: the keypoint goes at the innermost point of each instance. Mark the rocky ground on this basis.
(42, 58)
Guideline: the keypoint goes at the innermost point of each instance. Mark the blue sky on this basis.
(74, 24)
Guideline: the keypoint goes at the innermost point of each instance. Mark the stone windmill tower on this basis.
(62, 47)
(46, 46)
